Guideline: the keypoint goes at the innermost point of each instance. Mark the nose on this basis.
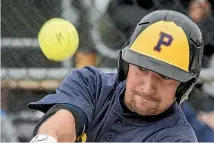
(149, 83)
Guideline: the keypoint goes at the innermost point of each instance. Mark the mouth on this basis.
(146, 97)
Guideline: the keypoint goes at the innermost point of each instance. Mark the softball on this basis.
(58, 39)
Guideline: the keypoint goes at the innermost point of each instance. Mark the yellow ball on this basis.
(58, 39)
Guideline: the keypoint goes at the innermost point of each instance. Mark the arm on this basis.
(77, 95)
(61, 123)
(60, 126)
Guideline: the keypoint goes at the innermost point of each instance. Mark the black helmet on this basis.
(166, 42)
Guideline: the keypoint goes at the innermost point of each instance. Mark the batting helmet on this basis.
(166, 42)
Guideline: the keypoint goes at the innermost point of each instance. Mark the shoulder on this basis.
(183, 133)
(95, 76)
(86, 71)
(93, 79)
(178, 130)
(92, 72)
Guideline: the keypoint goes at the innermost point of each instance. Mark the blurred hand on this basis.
(199, 10)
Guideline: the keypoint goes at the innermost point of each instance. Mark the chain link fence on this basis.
(99, 25)
(103, 26)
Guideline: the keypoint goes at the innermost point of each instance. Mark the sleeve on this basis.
(78, 90)
(182, 133)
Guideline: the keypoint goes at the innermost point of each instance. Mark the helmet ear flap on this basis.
(122, 68)
(184, 89)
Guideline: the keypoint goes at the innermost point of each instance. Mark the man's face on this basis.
(148, 93)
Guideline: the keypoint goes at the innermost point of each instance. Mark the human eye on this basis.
(142, 69)
(164, 77)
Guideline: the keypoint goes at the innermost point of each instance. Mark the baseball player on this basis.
(157, 68)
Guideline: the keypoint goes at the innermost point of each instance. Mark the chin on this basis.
(149, 112)
(146, 109)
